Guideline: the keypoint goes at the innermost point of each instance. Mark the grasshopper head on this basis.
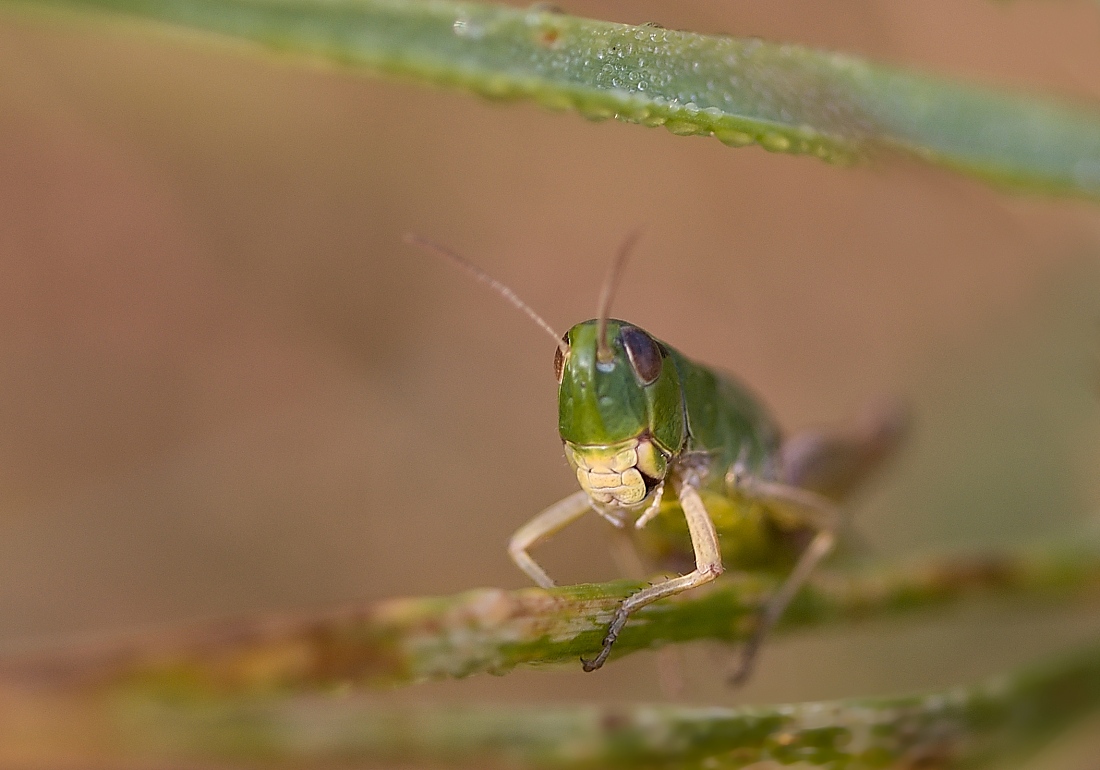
(620, 403)
(620, 410)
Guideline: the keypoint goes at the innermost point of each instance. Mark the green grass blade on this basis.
(966, 726)
(743, 91)
(401, 641)
(218, 694)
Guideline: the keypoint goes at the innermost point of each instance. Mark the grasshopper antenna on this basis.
(480, 275)
(610, 283)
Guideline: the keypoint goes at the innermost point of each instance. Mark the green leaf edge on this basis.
(784, 98)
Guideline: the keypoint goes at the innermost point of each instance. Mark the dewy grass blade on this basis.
(743, 91)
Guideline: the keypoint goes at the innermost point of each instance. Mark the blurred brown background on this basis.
(226, 386)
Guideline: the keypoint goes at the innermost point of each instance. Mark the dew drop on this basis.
(682, 127)
(595, 112)
(732, 137)
(633, 113)
(555, 101)
(468, 28)
(775, 142)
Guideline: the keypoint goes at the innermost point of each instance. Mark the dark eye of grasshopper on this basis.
(559, 359)
(643, 353)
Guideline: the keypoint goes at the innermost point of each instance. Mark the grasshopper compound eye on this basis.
(559, 358)
(644, 355)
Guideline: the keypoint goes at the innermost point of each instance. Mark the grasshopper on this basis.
(692, 461)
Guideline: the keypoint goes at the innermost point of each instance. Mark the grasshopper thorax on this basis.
(620, 415)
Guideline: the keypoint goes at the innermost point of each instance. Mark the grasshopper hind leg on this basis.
(819, 470)
(823, 516)
(834, 463)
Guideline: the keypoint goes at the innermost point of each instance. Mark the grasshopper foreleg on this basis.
(824, 516)
(653, 509)
(708, 566)
(555, 518)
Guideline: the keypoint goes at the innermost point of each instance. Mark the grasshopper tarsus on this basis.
(609, 638)
(591, 664)
(608, 641)
(740, 674)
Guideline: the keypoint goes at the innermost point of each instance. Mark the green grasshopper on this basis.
(661, 442)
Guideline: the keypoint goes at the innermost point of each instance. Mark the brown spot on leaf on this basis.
(549, 37)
